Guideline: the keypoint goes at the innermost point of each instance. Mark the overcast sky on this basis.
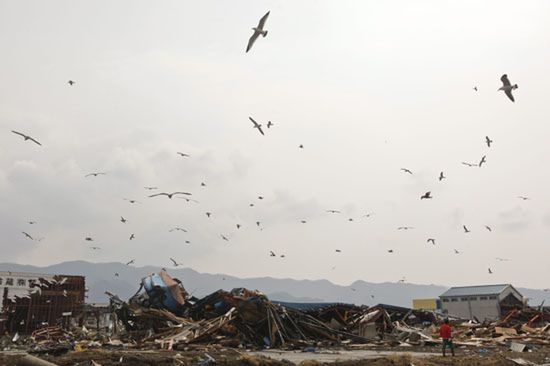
(368, 87)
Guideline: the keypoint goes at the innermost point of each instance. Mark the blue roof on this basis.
(474, 290)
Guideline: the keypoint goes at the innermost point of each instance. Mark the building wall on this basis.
(425, 304)
(19, 283)
(468, 307)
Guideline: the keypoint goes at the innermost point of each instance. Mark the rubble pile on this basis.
(162, 314)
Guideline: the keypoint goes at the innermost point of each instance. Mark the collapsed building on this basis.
(31, 301)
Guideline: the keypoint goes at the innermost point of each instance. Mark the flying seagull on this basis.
(177, 228)
(507, 87)
(406, 170)
(257, 31)
(502, 259)
(338, 251)
(88, 238)
(260, 197)
(256, 125)
(174, 261)
(32, 222)
(71, 82)
(132, 236)
(224, 237)
(475, 88)
(150, 188)
(523, 198)
(390, 250)
(456, 251)
(404, 227)
(431, 241)
(123, 220)
(489, 269)
(130, 262)
(183, 155)
(488, 141)
(488, 228)
(465, 229)
(271, 254)
(26, 137)
(208, 214)
(169, 195)
(333, 211)
(303, 221)
(27, 235)
(238, 226)
(482, 161)
(441, 176)
(301, 146)
(203, 184)
(468, 164)
(427, 195)
(131, 201)
(94, 174)
(95, 248)
(269, 124)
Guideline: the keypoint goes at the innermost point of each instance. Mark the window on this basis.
(31, 282)
(463, 299)
(1, 280)
(454, 300)
(483, 298)
(9, 281)
(445, 300)
(21, 282)
(492, 297)
(473, 298)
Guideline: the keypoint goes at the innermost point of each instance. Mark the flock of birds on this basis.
(258, 31)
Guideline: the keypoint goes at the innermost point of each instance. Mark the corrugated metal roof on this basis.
(474, 290)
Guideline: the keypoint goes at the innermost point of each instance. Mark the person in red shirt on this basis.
(445, 333)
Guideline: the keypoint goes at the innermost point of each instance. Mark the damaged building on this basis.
(488, 302)
(31, 301)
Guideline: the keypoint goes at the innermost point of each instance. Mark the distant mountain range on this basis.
(100, 278)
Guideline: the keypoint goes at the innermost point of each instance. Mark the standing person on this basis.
(445, 333)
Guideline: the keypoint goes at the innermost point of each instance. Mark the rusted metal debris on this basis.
(163, 315)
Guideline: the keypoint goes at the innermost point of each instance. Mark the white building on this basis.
(19, 283)
(481, 302)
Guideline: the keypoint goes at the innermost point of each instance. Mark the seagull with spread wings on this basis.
(488, 141)
(482, 161)
(256, 125)
(27, 235)
(176, 264)
(441, 176)
(257, 31)
(406, 170)
(169, 195)
(27, 137)
(183, 155)
(177, 228)
(130, 262)
(431, 240)
(427, 195)
(507, 87)
(94, 174)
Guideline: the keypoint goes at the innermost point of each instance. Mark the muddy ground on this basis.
(233, 357)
